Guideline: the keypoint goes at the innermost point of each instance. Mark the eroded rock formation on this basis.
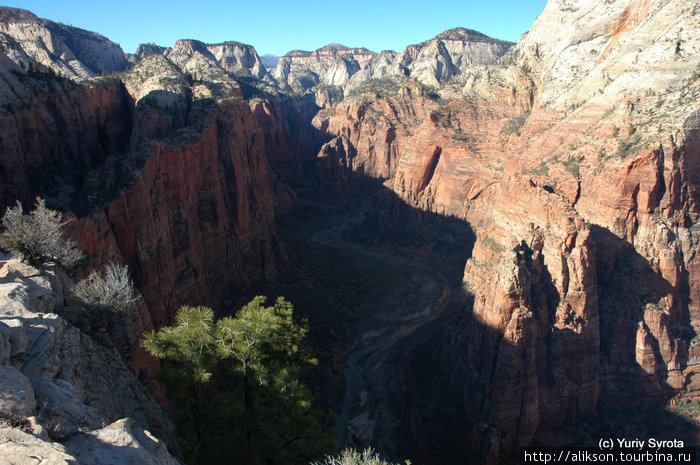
(355, 70)
(171, 131)
(63, 49)
(58, 384)
(577, 175)
(573, 157)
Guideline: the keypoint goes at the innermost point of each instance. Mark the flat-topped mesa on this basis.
(65, 50)
(331, 50)
(189, 46)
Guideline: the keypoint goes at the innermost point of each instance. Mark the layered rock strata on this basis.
(355, 70)
(574, 159)
(54, 132)
(166, 165)
(63, 49)
(578, 177)
(230, 57)
(197, 220)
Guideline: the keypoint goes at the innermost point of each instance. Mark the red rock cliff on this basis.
(197, 220)
(54, 132)
(178, 189)
(579, 179)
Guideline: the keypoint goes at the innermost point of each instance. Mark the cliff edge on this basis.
(64, 399)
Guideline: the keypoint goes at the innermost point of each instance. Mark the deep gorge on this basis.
(498, 256)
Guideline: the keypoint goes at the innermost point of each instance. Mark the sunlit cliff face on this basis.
(582, 198)
(573, 158)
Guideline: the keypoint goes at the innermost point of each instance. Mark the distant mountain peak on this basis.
(330, 48)
(342, 48)
(335, 47)
(9, 14)
(189, 42)
(149, 49)
(469, 35)
(64, 49)
(233, 43)
(269, 60)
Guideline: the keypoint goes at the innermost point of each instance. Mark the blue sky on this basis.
(277, 27)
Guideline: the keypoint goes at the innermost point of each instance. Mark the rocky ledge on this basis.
(64, 399)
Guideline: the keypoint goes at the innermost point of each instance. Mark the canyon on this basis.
(522, 215)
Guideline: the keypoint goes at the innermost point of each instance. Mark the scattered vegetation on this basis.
(541, 170)
(688, 409)
(304, 82)
(514, 125)
(627, 145)
(330, 93)
(353, 457)
(235, 384)
(253, 88)
(433, 93)
(36, 71)
(495, 246)
(512, 56)
(461, 136)
(573, 165)
(38, 237)
(523, 255)
(381, 87)
(111, 290)
(692, 79)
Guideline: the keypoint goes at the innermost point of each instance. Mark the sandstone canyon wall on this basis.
(66, 50)
(167, 170)
(335, 71)
(574, 159)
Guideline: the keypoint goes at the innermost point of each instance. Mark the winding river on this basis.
(382, 336)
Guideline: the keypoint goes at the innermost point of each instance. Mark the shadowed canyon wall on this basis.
(574, 158)
(578, 176)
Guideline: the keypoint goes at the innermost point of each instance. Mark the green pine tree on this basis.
(187, 349)
(236, 385)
